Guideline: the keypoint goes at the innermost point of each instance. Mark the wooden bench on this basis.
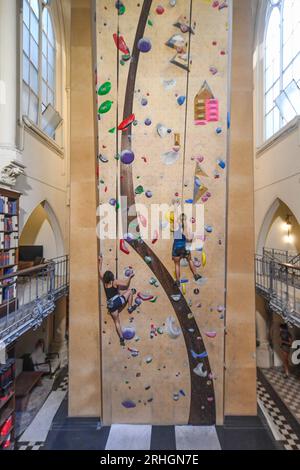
(25, 383)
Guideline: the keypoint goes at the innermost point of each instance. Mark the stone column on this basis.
(10, 157)
(240, 341)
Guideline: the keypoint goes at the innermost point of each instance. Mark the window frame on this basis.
(270, 8)
(42, 5)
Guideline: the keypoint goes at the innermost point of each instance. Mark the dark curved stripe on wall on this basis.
(201, 391)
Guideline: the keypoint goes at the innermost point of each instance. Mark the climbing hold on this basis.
(103, 159)
(139, 190)
(134, 352)
(219, 130)
(175, 397)
(148, 122)
(184, 24)
(181, 100)
(128, 333)
(169, 84)
(104, 89)
(128, 404)
(145, 296)
(220, 308)
(154, 300)
(199, 370)
(176, 297)
(196, 291)
(153, 282)
(138, 301)
(144, 45)
(199, 356)
(123, 247)
(112, 130)
(183, 289)
(182, 393)
(105, 107)
(160, 10)
(160, 330)
(172, 3)
(126, 123)
(213, 70)
(113, 202)
(162, 130)
(127, 157)
(128, 272)
(148, 259)
(171, 328)
(150, 23)
(208, 228)
(169, 158)
(155, 237)
(144, 102)
(121, 44)
(148, 359)
(142, 220)
(211, 334)
(210, 399)
(148, 194)
(221, 164)
(203, 259)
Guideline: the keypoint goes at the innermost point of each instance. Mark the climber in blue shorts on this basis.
(180, 250)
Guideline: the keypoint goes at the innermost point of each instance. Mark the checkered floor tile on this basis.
(29, 445)
(290, 440)
(288, 389)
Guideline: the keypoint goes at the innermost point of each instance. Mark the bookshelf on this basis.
(7, 405)
(9, 248)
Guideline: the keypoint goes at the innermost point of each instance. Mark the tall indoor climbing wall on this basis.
(161, 84)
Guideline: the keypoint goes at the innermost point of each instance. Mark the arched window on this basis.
(282, 64)
(38, 59)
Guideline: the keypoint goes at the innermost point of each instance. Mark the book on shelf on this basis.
(7, 257)
(8, 206)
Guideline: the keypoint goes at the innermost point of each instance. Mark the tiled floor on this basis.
(288, 389)
(285, 426)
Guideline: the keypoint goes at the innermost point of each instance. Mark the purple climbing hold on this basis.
(138, 301)
(128, 333)
(148, 122)
(127, 157)
(144, 101)
(128, 404)
(144, 45)
(148, 194)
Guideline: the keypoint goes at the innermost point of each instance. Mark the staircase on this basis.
(278, 281)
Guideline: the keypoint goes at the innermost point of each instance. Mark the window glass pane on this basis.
(50, 97)
(26, 13)
(34, 53)
(286, 109)
(293, 94)
(34, 81)
(277, 120)
(296, 68)
(34, 27)
(269, 125)
(35, 7)
(51, 56)
(45, 42)
(26, 40)
(45, 20)
(269, 101)
(44, 68)
(51, 31)
(25, 69)
(25, 99)
(288, 76)
(33, 108)
(50, 77)
(44, 93)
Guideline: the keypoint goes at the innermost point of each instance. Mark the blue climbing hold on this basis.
(181, 100)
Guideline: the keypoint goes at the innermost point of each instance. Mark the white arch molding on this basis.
(54, 224)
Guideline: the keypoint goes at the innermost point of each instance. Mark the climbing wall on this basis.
(161, 84)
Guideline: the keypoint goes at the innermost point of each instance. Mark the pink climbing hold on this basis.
(155, 237)
(143, 220)
(211, 334)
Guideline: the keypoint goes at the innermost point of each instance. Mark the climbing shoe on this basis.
(132, 309)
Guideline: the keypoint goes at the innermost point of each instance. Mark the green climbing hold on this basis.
(112, 130)
(160, 330)
(121, 10)
(122, 62)
(150, 23)
(154, 300)
(139, 190)
(117, 206)
(148, 259)
(104, 89)
(105, 107)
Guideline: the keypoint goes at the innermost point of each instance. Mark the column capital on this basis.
(10, 166)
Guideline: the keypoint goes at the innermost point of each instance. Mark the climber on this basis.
(118, 295)
(182, 236)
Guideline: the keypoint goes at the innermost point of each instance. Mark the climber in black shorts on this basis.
(118, 295)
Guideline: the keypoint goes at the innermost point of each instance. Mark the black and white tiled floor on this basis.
(284, 425)
(274, 428)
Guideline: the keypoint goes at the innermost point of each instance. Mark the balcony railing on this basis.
(282, 256)
(279, 283)
(37, 290)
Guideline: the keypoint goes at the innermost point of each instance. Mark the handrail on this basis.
(287, 265)
(25, 272)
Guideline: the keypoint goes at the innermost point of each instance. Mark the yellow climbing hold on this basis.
(203, 258)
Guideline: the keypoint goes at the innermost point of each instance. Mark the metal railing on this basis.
(30, 296)
(282, 256)
(279, 283)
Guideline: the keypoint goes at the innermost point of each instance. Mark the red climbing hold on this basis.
(124, 124)
(160, 10)
(123, 247)
(121, 44)
(155, 237)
